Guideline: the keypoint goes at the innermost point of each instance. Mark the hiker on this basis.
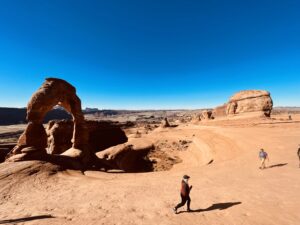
(184, 194)
(263, 156)
(299, 154)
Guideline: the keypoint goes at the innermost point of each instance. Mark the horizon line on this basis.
(151, 109)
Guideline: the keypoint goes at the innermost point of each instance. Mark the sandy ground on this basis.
(230, 190)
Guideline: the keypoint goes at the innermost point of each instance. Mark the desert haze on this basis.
(126, 168)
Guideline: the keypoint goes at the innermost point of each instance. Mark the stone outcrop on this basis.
(129, 157)
(165, 123)
(72, 144)
(33, 142)
(246, 103)
(196, 118)
(252, 101)
(102, 135)
(220, 111)
(206, 115)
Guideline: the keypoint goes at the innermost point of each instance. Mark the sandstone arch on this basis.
(33, 142)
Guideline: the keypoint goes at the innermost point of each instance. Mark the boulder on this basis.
(129, 157)
(251, 101)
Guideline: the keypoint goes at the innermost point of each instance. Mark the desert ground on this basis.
(220, 156)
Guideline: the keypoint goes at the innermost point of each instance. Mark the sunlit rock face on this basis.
(33, 142)
(251, 101)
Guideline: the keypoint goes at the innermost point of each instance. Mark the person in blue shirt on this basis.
(263, 157)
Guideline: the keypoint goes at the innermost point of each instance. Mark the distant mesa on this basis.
(10, 116)
(247, 103)
(90, 110)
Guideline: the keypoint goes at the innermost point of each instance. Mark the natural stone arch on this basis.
(33, 142)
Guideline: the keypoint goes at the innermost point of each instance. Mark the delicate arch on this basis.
(52, 92)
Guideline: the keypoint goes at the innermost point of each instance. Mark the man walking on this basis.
(263, 156)
(184, 194)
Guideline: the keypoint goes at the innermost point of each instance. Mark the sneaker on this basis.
(175, 210)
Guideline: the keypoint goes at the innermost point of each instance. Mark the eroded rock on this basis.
(251, 101)
(220, 111)
(206, 115)
(102, 135)
(52, 92)
(165, 123)
(129, 157)
(203, 116)
(247, 103)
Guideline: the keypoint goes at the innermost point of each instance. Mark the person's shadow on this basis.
(277, 165)
(218, 206)
(25, 219)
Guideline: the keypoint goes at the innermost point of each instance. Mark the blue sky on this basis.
(151, 54)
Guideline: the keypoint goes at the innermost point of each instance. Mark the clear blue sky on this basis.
(151, 53)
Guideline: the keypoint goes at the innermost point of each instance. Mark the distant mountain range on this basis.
(10, 116)
(287, 108)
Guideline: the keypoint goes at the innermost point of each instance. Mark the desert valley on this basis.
(125, 167)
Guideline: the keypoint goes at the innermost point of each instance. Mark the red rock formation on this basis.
(206, 115)
(165, 123)
(59, 136)
(102, 135)
(129, 157)
(252, 101)
(52, 92)
(220, 111)
(203, 115)
(246, 103)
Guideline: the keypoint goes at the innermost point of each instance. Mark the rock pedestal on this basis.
(165, 123)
